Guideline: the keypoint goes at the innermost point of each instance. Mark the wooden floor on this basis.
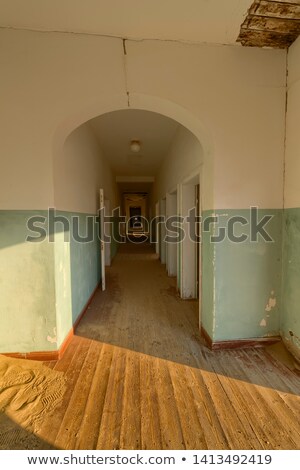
(139, 377)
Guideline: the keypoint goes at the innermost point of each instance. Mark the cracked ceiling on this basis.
(271, 23)
(265, 23)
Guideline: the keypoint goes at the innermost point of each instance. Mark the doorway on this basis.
(171, 212)
(190, 247)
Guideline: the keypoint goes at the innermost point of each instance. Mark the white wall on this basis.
(184, 157)
(46, 80)
(79, 171)
(238, 94)
(233, 97)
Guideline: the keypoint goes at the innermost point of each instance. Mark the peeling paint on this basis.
(271, 304)
(226, 263)
(290, 324)
(54, 339)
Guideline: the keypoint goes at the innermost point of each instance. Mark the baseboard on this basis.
(44, 356)
(47, 356)
(206, 337)
(65, 344)
(83, 311)
(239, 343)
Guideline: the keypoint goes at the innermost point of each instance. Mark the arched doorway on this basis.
(182, 191)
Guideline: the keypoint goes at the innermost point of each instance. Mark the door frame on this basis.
(171, 248)
(102, 245)
(162, 230)
(193, 179)
(108, 230)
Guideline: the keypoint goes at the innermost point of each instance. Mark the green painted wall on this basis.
(239, 279)
(208, 272)
(44, 286)
(85, 268)
(78, 271)
(63, 288)
(27, 287)
(290, 320)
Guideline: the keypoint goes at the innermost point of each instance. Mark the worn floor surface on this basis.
(139, 377)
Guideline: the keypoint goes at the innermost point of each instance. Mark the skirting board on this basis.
(239, 343)
(46, 356)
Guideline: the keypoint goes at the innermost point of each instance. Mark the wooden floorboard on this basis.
(151, 432)
(130, 436)
(138, 375)
(90, 425)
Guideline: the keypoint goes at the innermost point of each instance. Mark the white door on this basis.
(171, 211)
(162, 207)
(157, 238)
(108, 234)
(102, 248)
(188, 246)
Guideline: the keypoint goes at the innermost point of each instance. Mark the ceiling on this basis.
(135, 187)
(260, 23)
(208, 21)
(115, 131)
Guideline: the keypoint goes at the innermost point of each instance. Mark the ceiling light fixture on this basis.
(135, 146)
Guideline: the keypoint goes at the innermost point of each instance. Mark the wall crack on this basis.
(125, 71)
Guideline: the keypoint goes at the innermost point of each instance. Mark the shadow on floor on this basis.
(14, 437)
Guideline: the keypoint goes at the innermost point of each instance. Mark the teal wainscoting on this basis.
(290, 320)
(44, 286)
(241, 288)
(77, 266)
(27, 287)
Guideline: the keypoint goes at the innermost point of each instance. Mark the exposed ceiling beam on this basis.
(271, 23)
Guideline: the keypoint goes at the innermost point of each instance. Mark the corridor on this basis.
(139, 377)
(176, 123)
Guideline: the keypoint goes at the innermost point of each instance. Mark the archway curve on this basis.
(156, 104)
(137, 101)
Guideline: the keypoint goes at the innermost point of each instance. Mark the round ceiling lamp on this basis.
(135, 146)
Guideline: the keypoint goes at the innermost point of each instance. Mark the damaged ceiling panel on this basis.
(271, 23)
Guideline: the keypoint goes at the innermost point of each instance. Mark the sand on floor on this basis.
(28, 391)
